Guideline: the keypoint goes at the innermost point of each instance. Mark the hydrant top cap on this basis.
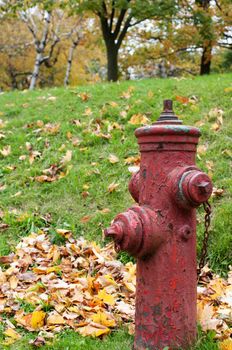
(168, 124)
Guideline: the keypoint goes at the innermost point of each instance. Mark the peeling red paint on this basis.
(161, 233)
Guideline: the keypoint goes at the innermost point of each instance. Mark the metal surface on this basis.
(207, 208)
(161, 233)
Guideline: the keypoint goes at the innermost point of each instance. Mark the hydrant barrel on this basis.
(161, 232)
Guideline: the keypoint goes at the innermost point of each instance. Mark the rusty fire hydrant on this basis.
(161, 232)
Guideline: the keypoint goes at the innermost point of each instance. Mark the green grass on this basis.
(60, 204)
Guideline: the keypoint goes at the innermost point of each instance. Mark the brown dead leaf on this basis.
(45, 178)
(55, 319)
(37, 342)
(84, 96)
(85, 219)
(217, 192)
(51, 128)
(76, 122)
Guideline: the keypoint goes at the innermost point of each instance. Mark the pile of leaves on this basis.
(78, 285)
(46, 288)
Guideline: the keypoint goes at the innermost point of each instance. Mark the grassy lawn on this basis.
(78, 199)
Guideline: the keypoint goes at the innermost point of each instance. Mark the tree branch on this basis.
(124, 31)
(112, 15)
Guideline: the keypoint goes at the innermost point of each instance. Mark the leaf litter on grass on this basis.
(84, 287)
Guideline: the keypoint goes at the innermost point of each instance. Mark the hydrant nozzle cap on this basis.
(168, 114)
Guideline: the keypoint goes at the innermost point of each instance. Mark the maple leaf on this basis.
(138, 119)
(182, 99)
(113, 159)
(51, 128)
(6, 151)
(37, 319)
(84, 96)
(93, 330)
(226, 344)
(104, 319)
(105, 297)
(54, 319)
(10, 332)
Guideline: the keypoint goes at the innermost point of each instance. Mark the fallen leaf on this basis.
(51, 98)
(226, 344)
(88, 112)
(217, 192)
(112, 187)
(37, 319)
(55, 319)
(93, 330)
(84, 96)
(138, 119)
(104, 319)
(37, 342)
(67, 158)
(105, 297)
(9, 332)
(113, 159)
(6, 151)
(182, 99)
(51, 128)
(85, 219)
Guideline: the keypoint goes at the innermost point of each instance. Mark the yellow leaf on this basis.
(226, 344)
(9, 332)
(105, 297)
(93, 331)
(112, 187)
(138, 119)
(228, 89)
(37, 319)
(103, 319)
(13, 281)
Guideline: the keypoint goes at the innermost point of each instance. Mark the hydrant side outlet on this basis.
(161, 232)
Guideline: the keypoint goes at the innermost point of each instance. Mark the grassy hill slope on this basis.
(72, 133)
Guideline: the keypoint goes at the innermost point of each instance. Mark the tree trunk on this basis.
(112, 62)
(40, 47)
(206, 60)
(35, 70)
(69, 64)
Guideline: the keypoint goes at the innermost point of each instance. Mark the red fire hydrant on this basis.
(161, 232)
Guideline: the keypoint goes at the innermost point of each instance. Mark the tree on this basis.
(76, 35)
(117, 17)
